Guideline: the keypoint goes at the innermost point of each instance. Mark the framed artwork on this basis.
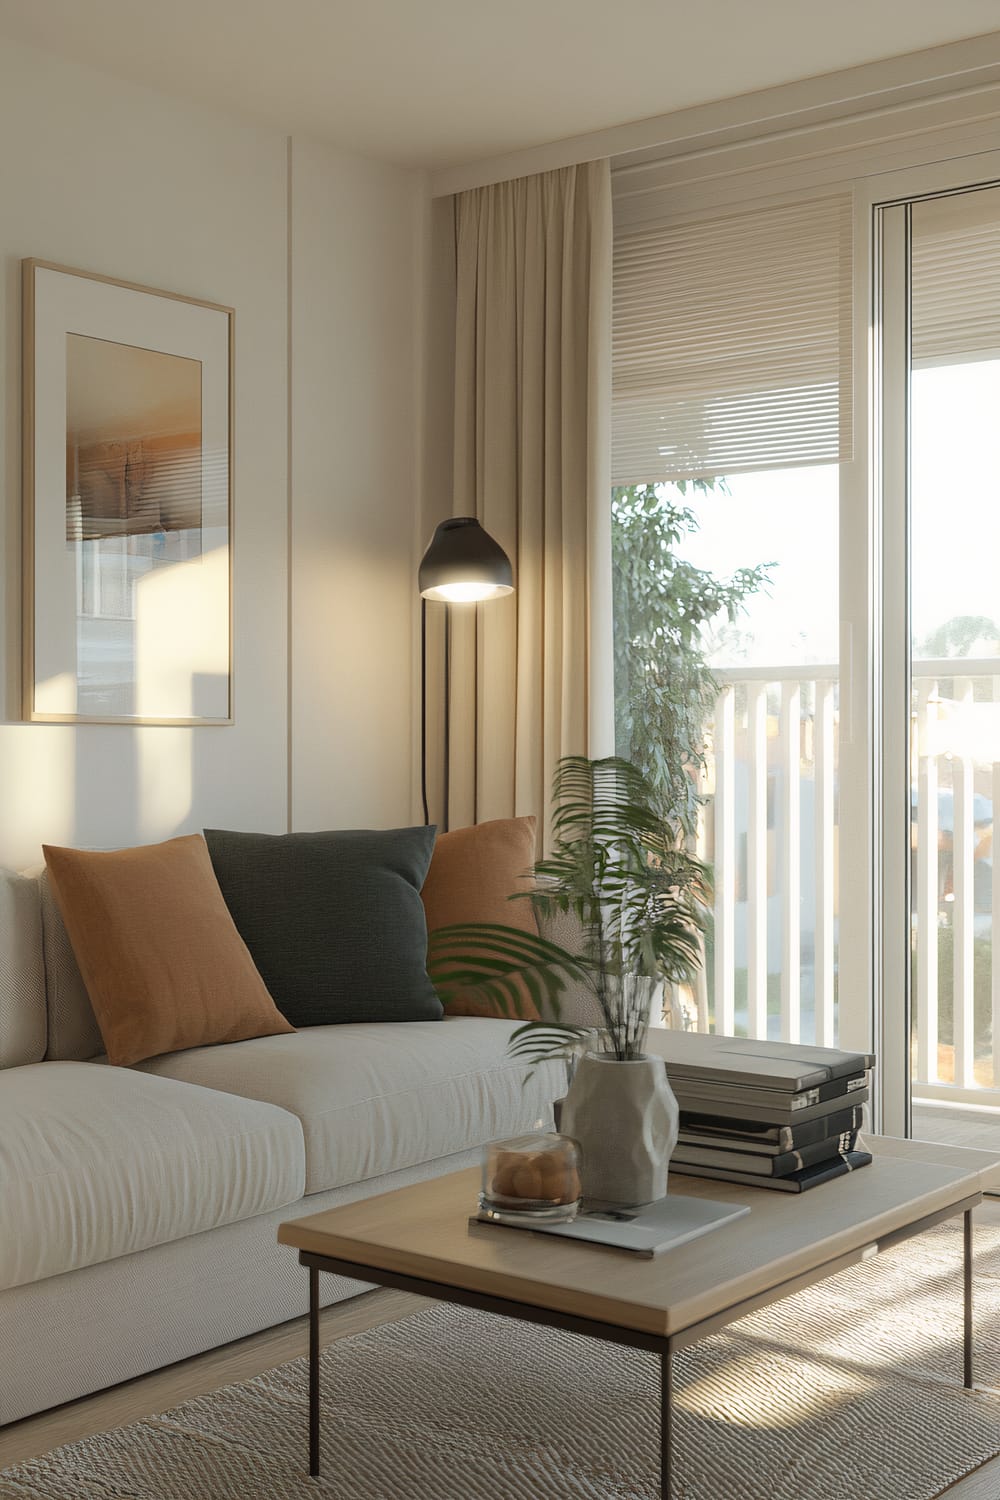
(128, 461)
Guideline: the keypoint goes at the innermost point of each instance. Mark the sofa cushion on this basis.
(22, 973)
(473, 874)
(475, 871)
(74, 1035)
(96, 1162)
(374, 1099)
(333, 920)
(163, 963)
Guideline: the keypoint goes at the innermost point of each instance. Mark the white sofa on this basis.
(139, 1206)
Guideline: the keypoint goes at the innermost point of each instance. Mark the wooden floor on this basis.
(251, 1356)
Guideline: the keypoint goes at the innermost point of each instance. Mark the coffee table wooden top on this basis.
(423, 1231)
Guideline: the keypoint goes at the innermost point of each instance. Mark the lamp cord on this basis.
(447, 714)
(447, 720)
(423, 708)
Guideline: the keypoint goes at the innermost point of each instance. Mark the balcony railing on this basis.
(770, 831)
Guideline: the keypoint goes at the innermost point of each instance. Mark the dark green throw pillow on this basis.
(333, 921)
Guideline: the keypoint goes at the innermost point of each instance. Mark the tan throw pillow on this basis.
(162, 960)
(473, 873)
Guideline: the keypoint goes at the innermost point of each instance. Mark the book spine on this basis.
(704, 1095)
(765, 1114)
(795, 1182)
(737, 1160)
(775, 1140)
(739, 1065)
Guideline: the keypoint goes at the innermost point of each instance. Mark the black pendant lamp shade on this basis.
(463, 564)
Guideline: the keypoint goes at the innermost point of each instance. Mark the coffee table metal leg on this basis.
(313, 1371)
(666, 1382)
(967, 1289)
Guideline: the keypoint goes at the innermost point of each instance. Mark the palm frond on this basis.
(502, 965)
(538, 1042)
(606, 801)
(621, 866)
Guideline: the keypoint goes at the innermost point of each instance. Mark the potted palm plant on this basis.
(621, 866)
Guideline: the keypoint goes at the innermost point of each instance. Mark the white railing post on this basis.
(725, 861)
(791, 946)
(963, 847)
(927, 884)
(757, 861)
(824, 833)
(698, 988)
(995, 911)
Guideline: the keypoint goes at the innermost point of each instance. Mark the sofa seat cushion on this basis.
(377, 1098)
(96, 1162)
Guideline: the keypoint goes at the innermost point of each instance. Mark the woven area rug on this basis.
(850, 1391)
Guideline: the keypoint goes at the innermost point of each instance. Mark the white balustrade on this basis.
(779, 727)
(927, 897)
(995, 911)
(791, 871)
(757, 861)
(963, 904)
(824, 836)
(725, 860)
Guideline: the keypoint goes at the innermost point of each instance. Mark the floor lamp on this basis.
(462, 565)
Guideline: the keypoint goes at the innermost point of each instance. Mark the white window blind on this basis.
(956, 278)
(732, 343)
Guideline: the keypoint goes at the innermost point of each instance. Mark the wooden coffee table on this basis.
(418, 1239)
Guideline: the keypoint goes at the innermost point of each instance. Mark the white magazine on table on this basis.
(645, 1229)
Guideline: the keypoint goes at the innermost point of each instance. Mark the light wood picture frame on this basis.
(127, 502)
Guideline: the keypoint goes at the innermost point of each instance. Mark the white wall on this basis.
(103, 176)
(355, 480)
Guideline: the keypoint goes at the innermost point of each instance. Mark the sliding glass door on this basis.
(768, 740)
(807, 506)
(938, 327)
(733, 382)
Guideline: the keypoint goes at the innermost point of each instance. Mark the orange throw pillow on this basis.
(473, 872)
(164, 965)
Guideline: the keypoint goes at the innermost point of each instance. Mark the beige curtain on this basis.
(531, 674)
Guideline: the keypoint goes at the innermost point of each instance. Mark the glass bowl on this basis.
(535, 1177)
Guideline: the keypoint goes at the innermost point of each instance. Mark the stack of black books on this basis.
(769, 1114)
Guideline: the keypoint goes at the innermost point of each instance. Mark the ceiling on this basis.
(437, 83)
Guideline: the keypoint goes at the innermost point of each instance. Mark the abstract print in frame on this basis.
(127, 502)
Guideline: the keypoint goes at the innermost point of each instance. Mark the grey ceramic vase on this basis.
(624, 1116)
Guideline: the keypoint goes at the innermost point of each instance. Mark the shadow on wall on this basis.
(105, 786)
(138, 785)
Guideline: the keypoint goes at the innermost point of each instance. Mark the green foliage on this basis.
(663, 687)
(957, 636)
(620, 865)
(500, 963)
